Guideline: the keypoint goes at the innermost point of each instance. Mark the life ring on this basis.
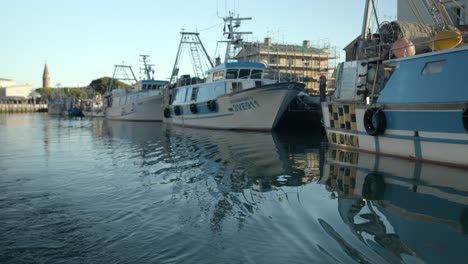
(375, 122)
(465, 118)
(373, 187)
(177, 110)
(211, 104)
(167, 112)
(193, 108)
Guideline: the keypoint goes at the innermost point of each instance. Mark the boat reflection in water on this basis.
(404, 211)
(283, 196)
(248, 160)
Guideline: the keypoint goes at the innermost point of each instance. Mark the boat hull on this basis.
(432, 134)
(257, 109)
(136, 108)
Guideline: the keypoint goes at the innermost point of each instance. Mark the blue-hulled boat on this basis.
(403, 98)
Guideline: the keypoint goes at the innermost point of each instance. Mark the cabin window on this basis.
(153, 87)
(433, 67)
(236, 86)
(218, 76)
(256, 74)
(144, 87)
(244, 73)
(232, 74)
(193, 97)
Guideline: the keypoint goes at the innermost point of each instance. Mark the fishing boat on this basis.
(142, 102)
(232, 95)
(94, 107)
(402, 93)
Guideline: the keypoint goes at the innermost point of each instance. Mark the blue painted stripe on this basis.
(429, 121)
(422, 139)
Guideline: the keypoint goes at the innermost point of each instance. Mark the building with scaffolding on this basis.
(302, 63)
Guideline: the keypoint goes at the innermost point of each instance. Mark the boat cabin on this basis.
(225, 78)
(148, 85)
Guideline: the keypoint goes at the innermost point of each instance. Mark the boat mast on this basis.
(235, 38)
(121, 73)
(199, 65)
(364, 30)
(147, 68)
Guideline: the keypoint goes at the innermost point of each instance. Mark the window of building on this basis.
(273, 60)
(232, 74)
(433, 67)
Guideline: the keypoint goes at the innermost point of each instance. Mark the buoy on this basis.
(403, 48)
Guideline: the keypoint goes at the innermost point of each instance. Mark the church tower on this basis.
(45, 77)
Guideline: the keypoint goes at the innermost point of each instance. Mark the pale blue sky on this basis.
(82, 40)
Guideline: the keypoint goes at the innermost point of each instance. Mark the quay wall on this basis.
(22, 107)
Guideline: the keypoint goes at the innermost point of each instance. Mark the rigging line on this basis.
(415, 11)
(462, 9)
(376, 18)
(210, 27)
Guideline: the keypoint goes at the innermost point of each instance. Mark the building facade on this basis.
(11, 92)
(300, 63)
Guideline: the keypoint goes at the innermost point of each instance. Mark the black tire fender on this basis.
(167, 112)
(375, 121)
(193, 108)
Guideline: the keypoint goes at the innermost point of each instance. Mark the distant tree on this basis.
(46, 93)
(100, 85)
(77, 93)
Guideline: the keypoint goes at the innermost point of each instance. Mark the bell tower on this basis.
(46, 77)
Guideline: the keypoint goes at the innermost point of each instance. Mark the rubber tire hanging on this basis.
(465, 118)
(193, 108)
(375, 121)
(167, 112)
(211, 104)
(177, 110)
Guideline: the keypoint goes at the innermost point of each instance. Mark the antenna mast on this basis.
(147, 68)
(234, 42)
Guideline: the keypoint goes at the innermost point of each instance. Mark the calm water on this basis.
(98, 191)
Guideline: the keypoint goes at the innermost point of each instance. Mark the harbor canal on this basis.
(98, 191)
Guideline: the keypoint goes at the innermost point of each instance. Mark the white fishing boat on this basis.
(404, 93)
(143, 102)
(233, 95)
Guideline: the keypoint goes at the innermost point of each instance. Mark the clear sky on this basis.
(82, 40)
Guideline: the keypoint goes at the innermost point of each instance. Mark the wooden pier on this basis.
(22, 107)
